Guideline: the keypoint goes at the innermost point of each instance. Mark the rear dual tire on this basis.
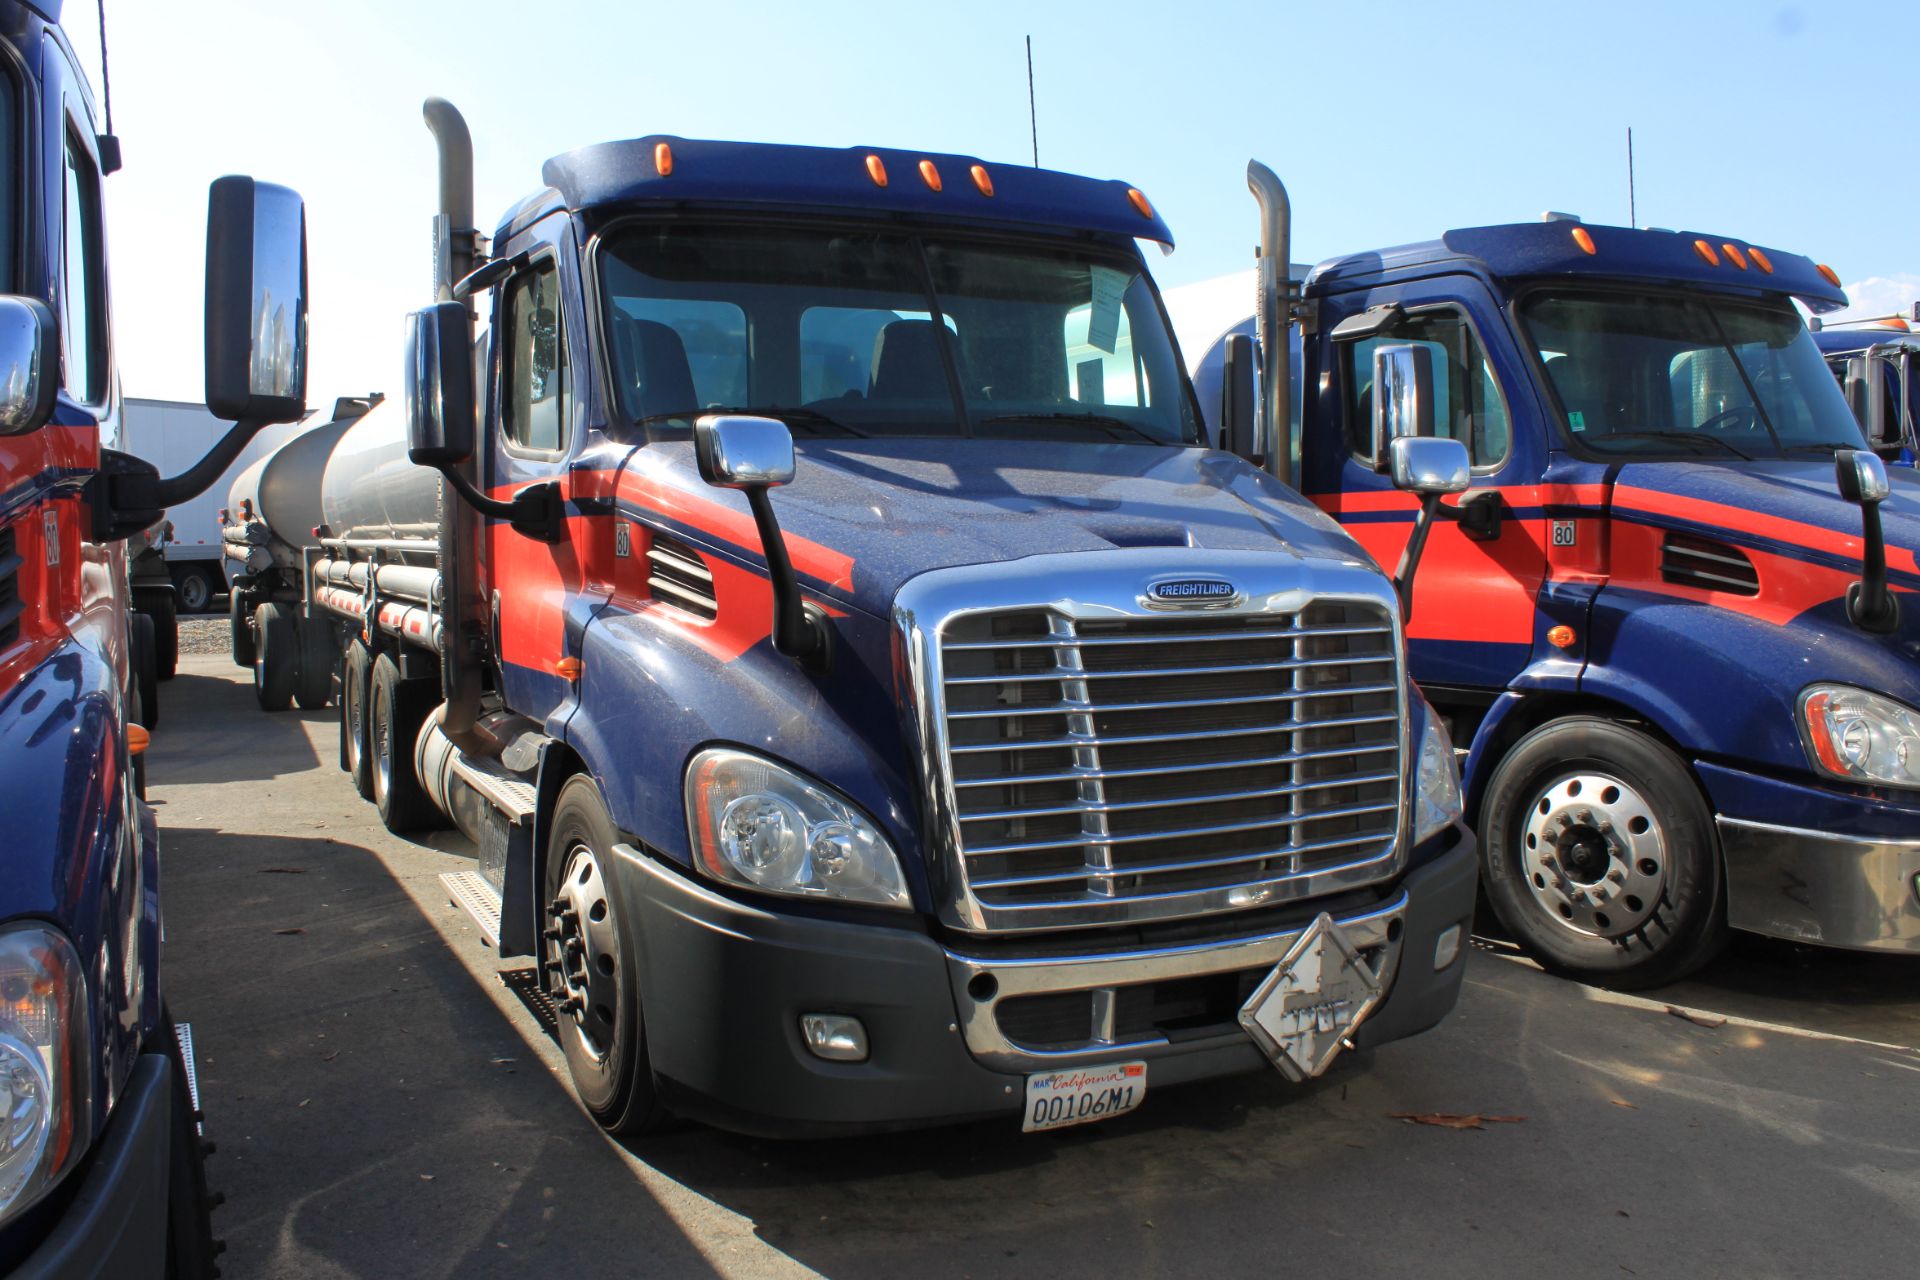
(356, 671)
(396, 710)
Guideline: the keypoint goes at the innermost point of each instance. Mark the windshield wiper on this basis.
(1680, 437)
(810, 420)
(1104, 421)
(1828, 447)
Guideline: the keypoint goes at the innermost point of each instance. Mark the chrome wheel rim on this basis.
(356, 725)
(382, 746)
(1594, 856)
(583, 954)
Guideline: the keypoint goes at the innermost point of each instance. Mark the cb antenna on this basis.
(1633, 212)
(1033, 120)
(107, 143)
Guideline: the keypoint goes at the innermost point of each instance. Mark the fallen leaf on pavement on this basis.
(1622, 1102)
(1443, 1120)
(1697, 1019)
(287, 932)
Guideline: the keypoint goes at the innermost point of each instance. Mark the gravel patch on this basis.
(206, 633)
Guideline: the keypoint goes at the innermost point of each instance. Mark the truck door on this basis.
(1474, 596)
(538, 592)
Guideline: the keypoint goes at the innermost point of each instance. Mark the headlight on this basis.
(1436, 793)
(757, 824)
(1861, 736)
(45, 1063)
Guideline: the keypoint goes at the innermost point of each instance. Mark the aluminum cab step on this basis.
(470, 891)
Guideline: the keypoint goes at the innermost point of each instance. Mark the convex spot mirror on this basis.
(26, 380)
(1431, 465)
(1862, 477)
(439, 386)
(256, 307)
(737, 451)
(1402, 394)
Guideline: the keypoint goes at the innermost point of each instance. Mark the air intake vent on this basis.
(10, 605)
(677, 575)
(1707, 565)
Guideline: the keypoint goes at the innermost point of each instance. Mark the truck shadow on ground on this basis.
(375, 1114)
(273, 745)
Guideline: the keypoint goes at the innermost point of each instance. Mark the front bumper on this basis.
(724, 984)
(116, 1225)
(1811, 864)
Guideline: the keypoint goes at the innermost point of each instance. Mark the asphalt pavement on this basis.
(385, 1104)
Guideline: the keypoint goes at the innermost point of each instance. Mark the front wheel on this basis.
(591, 972)
(1598, 855)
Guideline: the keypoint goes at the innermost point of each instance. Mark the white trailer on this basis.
(172, 435)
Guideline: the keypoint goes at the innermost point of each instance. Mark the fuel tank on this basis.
(371, 490)
(282, 490)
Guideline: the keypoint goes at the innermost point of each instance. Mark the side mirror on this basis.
(740, 452)
(1856, 380)
(1238, 409)
(26, 381)
(438, 383)
(1862, 479)
(1882, 427)
(1402, 394)
(1431, 465)
(256, 302)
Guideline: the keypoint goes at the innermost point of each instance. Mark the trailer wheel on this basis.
(240, 624)
(276, 656)
(196, 585)
(166, 637)
(355, 670)
(145, 679)
(396, 709)
(191, 1247)
(592, 974)
(1599, 855)
(313, 686)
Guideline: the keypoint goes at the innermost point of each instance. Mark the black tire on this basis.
(240, 622)
(396, 709)
(166, 637)
(191, 1248)
(197, 584)
(313, 686)
(146, 679)
(596, 989)
(1598, 854)
(356, 670)
(276, 656)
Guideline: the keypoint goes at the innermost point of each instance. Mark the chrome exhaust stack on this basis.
(1273, 312)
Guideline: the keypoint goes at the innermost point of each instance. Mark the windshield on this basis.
(1685, 376)
(848, 332)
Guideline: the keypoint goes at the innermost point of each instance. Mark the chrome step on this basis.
(508, 792)
(470, 891)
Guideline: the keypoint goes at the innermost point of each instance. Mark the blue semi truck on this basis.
(101, 1154)
(1670, 615)
(1020, 753)
(1874, 363)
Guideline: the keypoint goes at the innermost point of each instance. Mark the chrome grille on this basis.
(677, 575)
(1140, 767)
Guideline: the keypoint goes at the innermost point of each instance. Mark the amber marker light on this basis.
(982, 179)
(930, 175)
(1734, 255)
(1584, 240)
(1818, 707)
(1831, 276)
(877, 171)
(1561, 637)
(1761, 260)
(138, 739)
(568, 668)
(1139, 200)
(1707, 255)
(663, 159)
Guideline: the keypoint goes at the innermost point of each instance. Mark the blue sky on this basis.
(1781, 124)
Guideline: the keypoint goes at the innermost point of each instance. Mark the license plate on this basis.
(1060, 1098)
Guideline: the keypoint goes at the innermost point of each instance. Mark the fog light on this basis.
(1447, 948)
(834, 1036)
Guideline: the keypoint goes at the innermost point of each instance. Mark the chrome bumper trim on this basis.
(1374, 932)
(1814, 886)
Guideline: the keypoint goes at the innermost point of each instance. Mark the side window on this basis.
(83, 311)
(534, 376)
(1467, 403)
